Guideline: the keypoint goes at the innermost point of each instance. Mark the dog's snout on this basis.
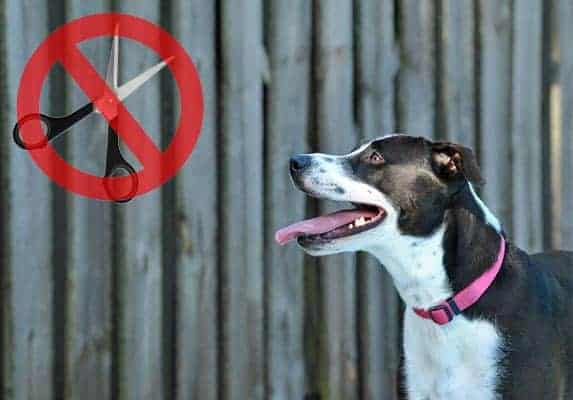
(300, 162)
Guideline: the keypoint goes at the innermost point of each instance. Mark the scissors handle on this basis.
(117, 166)
(54, 126)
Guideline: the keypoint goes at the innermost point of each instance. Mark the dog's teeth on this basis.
(351, 226)
(360, 221)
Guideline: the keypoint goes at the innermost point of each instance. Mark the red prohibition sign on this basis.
(61, 46)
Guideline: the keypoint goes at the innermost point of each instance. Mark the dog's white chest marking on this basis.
(459, 360)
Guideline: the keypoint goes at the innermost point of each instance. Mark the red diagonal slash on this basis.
(94, 86)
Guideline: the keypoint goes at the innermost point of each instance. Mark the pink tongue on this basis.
(325, 223)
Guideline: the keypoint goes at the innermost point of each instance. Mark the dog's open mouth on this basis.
(332, 226)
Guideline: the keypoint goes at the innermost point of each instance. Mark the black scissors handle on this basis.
(54, 126)
(117, 166)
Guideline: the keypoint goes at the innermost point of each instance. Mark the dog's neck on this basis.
(428, 270)
(471, 240)
(417, 268)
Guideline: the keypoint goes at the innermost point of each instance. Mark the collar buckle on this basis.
(441, 314)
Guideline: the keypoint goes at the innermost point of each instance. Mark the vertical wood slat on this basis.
(495, 84)
(417, 99)
(336, 134)
(377, 68)
(28, 326)
(377, 302)
(140, 277)
(457, 76)
(526, 125)
(287, 110)
(196, 212)
(89, 322)
(565, 13)
(241, 198)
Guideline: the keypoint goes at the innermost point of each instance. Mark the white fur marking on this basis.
(489, 217)
(454, 361)
(459, 360)
(365, 145)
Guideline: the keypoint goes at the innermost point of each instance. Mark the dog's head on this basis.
(400, 186)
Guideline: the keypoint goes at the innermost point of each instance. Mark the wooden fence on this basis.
(181, 293)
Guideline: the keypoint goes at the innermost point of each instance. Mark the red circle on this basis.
(158, 166)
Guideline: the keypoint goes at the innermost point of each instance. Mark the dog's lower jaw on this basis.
(337, 246)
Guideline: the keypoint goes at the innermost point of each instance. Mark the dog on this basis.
(483, 319)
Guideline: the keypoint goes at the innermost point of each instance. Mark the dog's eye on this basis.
(376, 158)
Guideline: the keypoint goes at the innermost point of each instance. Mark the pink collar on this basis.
(444, 312)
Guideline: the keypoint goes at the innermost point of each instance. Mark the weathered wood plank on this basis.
(336, 134)
(28, 355)
(242, 200)
(378, 62)
(289, 41)
(89, 321)
(193, 23)
(495, 106)
(139, 247)
(526, 125)
(417, 99)
(457, 75)
(565, 11)
(376, 297)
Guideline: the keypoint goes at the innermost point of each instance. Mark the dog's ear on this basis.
(452, 162)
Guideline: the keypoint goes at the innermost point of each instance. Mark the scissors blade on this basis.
(111, 76)
(129, 87)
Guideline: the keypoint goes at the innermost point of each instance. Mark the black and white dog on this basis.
(484, 320)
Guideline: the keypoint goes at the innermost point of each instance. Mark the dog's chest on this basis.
(456, 361)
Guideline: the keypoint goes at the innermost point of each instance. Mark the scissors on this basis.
(116, 164)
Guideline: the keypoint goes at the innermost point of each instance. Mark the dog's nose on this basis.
(299, 162)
